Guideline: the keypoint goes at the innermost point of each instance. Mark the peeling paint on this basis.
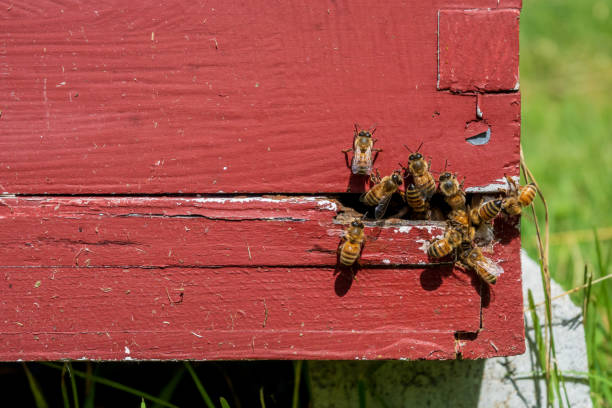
(424, 244)
(404, 230)
(127, 350)
(501, 185)
(321, 202)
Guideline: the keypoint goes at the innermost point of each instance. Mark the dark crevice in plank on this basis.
(154, 215)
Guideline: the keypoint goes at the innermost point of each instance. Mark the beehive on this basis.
(173, 182)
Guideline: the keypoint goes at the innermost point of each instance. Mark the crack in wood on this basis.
(432, 265)
(157, 215)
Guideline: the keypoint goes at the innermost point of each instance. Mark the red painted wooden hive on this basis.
(171, 174)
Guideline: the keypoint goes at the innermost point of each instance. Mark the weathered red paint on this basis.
(112, 271)
(235, 97)
(230, 97)
(478, 50)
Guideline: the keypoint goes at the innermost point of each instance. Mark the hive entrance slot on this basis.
(398, 212)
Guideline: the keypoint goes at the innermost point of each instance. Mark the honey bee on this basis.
(380, 194)
(452, 191)
(419, 168)
(417, 202)
(488, 270)
(350, 247)
(459, 220)
(518, 197)
(442, 247)
(363, 146)
(486, 212)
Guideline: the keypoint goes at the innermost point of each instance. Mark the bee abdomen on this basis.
(489, 210)
(427, 186)
(488, 277)
(527, 194)
(439, 248)
(372, 197)
(456, 201)
(415, 199)
(349, 253)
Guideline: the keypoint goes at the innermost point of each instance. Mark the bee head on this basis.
(411, 187)
(397, 179)
(364, 133)
(445, 176)
(415, 156)
(357, 224)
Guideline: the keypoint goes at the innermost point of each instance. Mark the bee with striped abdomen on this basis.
(518, 196)
(419, 169)
(472, 257)
(442, 247)
(363, 147)
(452, 191)
(352, 242)
(417, 202)
(380, 194)
(485, 212)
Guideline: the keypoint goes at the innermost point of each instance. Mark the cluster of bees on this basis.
(464, 223)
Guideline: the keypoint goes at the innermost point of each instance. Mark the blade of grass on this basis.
(576, 289)
(199, 385)
(603, 271)
(63, 387)
(90, 386)
(537, 332)
(75, 396)
(224, 403)
(361, 389)
(586, 298)
(142, 403)
(262, 400)
(166, 393)
(114, 384)
(39, 398)
(297, 376)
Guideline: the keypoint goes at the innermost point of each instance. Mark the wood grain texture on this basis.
(225, 96)
(478, 50)
(168, 105)
(87, 277)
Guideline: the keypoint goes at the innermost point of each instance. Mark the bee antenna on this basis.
(407, 148)
(373, 129)
(419, 148)
(445, 164)
(356, 128)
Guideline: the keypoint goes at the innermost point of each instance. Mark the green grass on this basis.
(566, 80)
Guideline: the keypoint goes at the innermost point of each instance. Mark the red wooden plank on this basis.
(229, 313)
(503, 328)
(68, 263)
(478, 50)
(234, 97)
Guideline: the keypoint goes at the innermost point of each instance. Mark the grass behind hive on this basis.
(566, 66)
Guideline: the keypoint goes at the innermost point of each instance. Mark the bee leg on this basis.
(346, 159)
(376, 155)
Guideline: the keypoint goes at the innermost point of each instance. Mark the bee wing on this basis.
(381, 208)
(490, 266)
(362, 159)
(485, 233)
